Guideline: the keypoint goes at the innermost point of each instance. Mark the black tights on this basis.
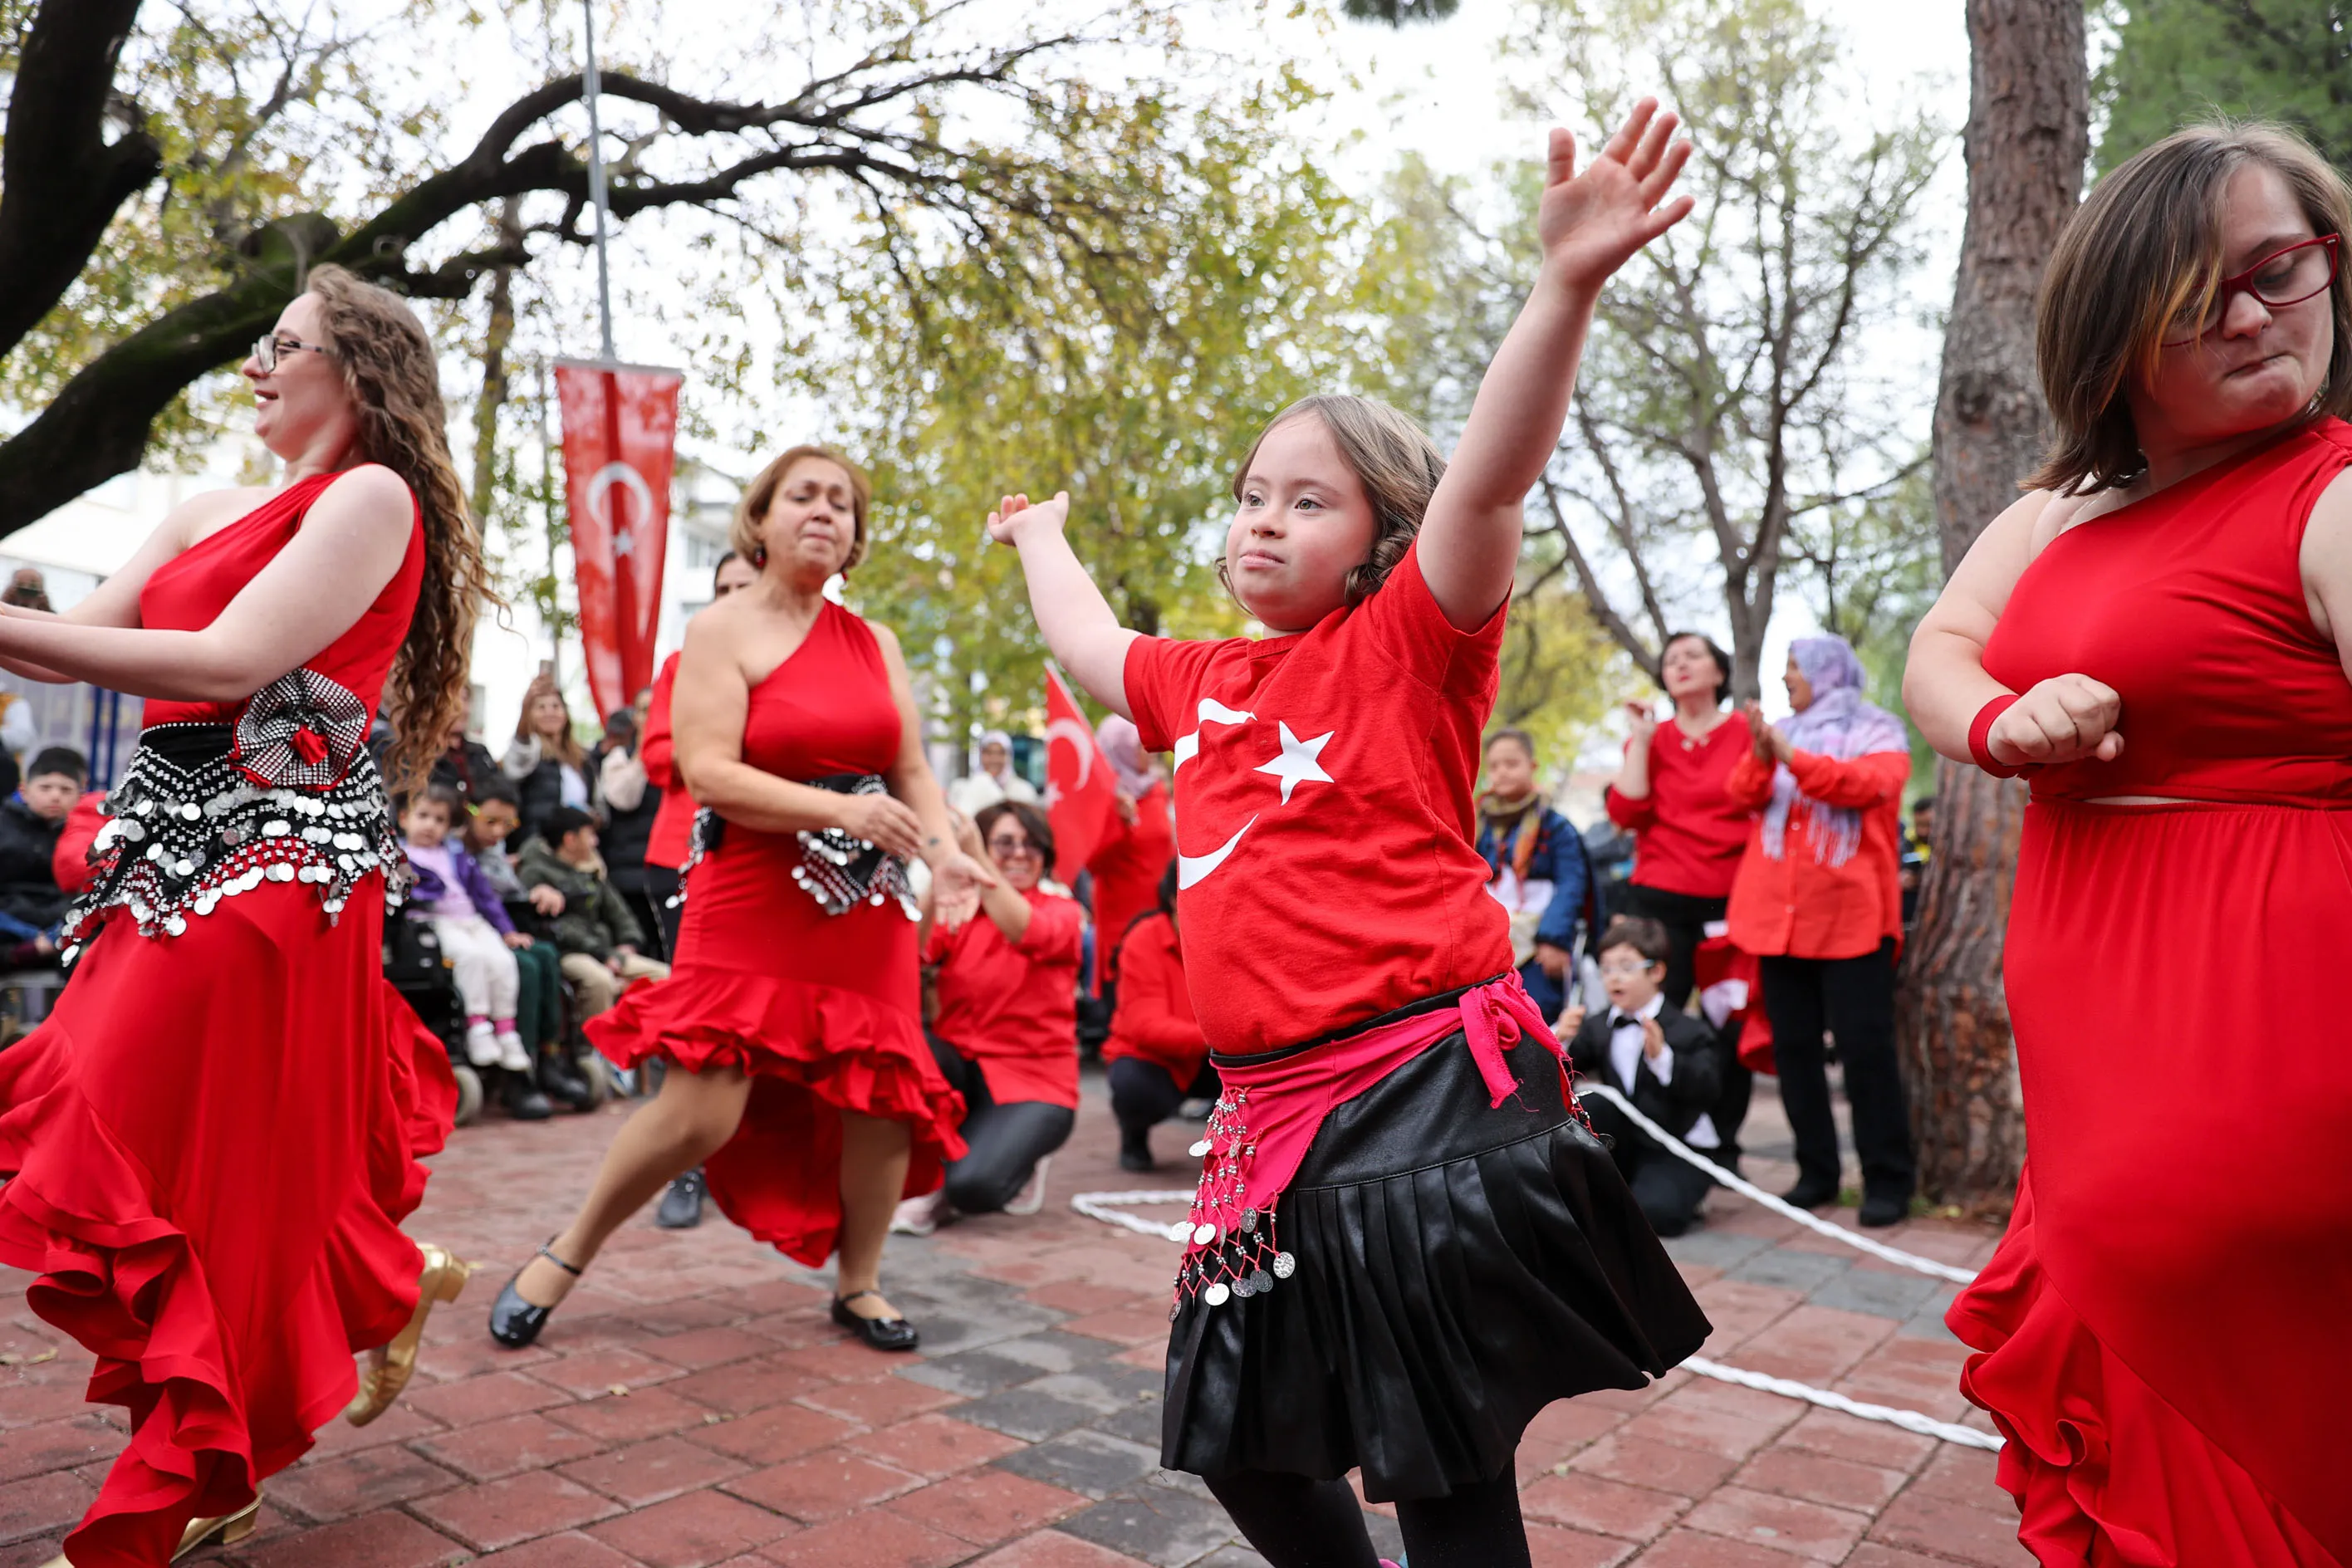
(1298, 1523)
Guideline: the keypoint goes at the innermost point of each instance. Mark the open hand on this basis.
(1654, 1039)
(1591, 224)
(884, 821)
(1760, 735)
(2065, 718)
(957, 882)
(1017, 518)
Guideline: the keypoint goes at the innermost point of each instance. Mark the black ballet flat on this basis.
(882, 1333)
(515, 1322)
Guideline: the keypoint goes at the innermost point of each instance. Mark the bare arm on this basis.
(351, 542)
(2326, 565)
(1591, 225)
(1079, 625)
(707, 708)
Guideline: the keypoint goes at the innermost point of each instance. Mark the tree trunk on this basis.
(2027, 140)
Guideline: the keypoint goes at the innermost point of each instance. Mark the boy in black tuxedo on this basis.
(1664, 1060)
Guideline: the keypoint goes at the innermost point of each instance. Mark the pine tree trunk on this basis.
(2027, 140)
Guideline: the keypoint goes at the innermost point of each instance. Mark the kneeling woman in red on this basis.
(210, 1144)
(1006, 1035)
(799, 1077)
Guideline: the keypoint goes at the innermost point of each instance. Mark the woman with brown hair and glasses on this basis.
(2157, 633)
(798, 1076)
(209, 1145)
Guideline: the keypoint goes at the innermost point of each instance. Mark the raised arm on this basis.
(1591, 224)
(2065, 718)
(1079, 622)
(351, 542)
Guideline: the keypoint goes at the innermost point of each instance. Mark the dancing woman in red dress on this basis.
(210, 1144)
(2158, 632)
(791, 1021)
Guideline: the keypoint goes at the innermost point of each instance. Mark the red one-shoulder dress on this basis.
(823, 1011)
(211, 1142)
(2163, 1331)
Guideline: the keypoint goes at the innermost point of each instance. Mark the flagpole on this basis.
(596, 197)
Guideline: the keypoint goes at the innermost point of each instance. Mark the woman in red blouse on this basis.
(1137, 846)
(1819, 900)
(1156, 1055)
(1688, 834)
(1007, 1031)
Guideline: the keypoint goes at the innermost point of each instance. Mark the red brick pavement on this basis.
(691, 1405)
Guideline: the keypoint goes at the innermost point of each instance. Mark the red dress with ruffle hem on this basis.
(823, 1011)
(2163, 1331)
(210, 1143)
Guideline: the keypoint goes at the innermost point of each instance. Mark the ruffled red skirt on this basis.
(812, 1051)
(209, 1148)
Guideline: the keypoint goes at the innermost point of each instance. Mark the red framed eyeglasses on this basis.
(2287, 276)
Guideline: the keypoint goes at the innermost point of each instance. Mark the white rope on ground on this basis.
(1675, 1146)
(1107, 1206)
(1909, 1420)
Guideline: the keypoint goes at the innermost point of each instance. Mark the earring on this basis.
(759, 557)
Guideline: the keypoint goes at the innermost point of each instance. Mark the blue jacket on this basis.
(1559, 857)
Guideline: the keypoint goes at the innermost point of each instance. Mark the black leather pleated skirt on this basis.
(1458, 1267)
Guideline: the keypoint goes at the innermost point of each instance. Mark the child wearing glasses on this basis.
(1006, 1033)
(1660, 1058)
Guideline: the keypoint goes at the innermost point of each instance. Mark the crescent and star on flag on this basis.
(1298, 762)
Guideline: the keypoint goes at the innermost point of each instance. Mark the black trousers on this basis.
(1685, 917)
(1003, 1143)
(1145, 1094)
(1852, 999)
(1668, 1188)
(661, 886)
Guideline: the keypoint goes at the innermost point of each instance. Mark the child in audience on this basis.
(32, 905)
(492, 814)
(1660, 1058)
(476, 934)
(1156, 1057)
(596, 931)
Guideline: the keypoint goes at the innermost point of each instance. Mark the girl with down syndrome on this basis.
(1406, 1240)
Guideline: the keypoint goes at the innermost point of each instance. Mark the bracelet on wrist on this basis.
(1980, 737)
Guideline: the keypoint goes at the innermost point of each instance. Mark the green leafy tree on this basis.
(2175, 61)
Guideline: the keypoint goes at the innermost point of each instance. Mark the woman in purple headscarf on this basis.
(1819, 900)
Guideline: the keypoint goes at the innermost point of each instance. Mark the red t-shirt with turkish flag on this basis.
(1325, 825)
(1012, 1007)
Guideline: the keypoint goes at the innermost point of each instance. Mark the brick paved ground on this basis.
(691, 1405)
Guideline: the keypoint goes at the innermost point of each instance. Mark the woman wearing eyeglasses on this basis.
(2157, 633)
(1007, 1031)
(209, 1147)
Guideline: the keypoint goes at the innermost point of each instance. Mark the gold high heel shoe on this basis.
(390, 1367)
(227, 1530)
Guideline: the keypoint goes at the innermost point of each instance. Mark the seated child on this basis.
(596, 931)
(1156, 1057)
(492, 814)
(1006, 1036)
(1536, 868)
(476, 934)
(1660, 1058)
(32, 904)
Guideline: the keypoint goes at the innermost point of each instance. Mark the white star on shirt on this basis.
(1297, 762)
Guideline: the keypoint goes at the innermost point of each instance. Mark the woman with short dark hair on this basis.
(2157, 631)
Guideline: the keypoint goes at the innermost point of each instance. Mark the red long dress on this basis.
(211, 1142)
(2164, 1329)
(823, 1011)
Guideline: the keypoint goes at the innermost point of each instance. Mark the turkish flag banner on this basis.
(1079, 788)
(620, 443)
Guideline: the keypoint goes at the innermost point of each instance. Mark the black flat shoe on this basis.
(882, 1333)
(515, 1322)
(1137, 1159)
(522, 1099)
(1808, 1193)
(1884, 1210)
(681, 1203)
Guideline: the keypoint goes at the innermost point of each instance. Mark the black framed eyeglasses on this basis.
(2287, 276)
(267, 348)
(1005, 848)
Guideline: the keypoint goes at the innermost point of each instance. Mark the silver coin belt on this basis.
(840, 870)
(1233, 1250)
(183, 836)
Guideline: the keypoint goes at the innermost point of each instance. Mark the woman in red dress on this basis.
(210, 1144)
(799, 1076)
(2155, 629)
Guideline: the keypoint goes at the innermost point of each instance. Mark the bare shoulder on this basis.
(210, 512)
(887, 640)
(369, 495)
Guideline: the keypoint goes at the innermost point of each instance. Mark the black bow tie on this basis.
(1624, 1021)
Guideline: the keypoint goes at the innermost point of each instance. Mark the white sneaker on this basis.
(481, 1045)
(919, 1216)
(1032, 1196)
(511, 1055)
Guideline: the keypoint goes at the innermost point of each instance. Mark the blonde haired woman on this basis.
(209, 1145)
(799, 1076)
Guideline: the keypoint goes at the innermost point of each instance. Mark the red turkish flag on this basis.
(620, 432)
(1079, 787)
